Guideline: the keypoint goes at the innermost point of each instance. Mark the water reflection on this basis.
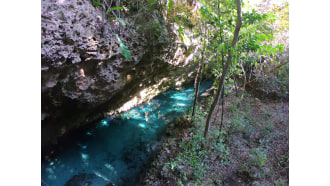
(116, 150)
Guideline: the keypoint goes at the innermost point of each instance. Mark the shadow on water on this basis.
(116, 150)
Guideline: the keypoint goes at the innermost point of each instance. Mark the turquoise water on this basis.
(116, 149)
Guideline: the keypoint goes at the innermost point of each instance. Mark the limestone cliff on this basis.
(85, 75)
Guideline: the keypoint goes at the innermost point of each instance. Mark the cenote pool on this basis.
(116, 150)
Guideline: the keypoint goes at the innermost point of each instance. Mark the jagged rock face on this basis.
(82, 64)
(83, 70)
(79, 51)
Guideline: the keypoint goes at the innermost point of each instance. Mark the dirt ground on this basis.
(251, 149)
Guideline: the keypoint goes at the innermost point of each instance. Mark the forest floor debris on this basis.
(251, 149)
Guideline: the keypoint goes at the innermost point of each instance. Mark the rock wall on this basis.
(84, 73)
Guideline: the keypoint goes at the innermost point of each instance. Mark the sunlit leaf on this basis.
(181, 34)
(269, 48)
(170, 5)
(274, 50)
(115, 8)
(280, 47)
(124, 49)
(221, 47)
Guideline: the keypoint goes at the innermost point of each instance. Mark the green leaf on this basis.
(124, 49)
(115, 8)
(264, 37)
(96, 4)
(280, 47)
(170, 5)
(271, 37)
(274, 50)
(121, 21)
(181, 34)
(221, 47)
(150, 1)
(269, 48)
(235, 61)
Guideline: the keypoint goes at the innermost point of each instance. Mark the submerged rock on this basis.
(81, 180)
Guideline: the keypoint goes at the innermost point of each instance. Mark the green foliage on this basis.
(192, 154)
(195, 152)
(96, 4)
(124, 49)
(183, 20)
(280, 182)
(181, 34)
(280, 47)
(259, 157)
(170, 5)
(153, 30)
(112, 9)
(254, 39)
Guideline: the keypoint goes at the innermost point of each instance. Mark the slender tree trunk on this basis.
(118, 5)
(222, 111)
(245, 81)
(222, 59)
(198, 78)
(217, 109)
(195, 82)
(196, 89)
(198, 82)
(225, 70)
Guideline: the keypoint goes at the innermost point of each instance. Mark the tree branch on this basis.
(225, 70)
(279, 66)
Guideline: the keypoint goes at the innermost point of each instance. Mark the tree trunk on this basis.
(198, 78)
(245, 81)
(225, 70)
(222, 111)
(198, 82)
(236, 87)
(118, 5)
